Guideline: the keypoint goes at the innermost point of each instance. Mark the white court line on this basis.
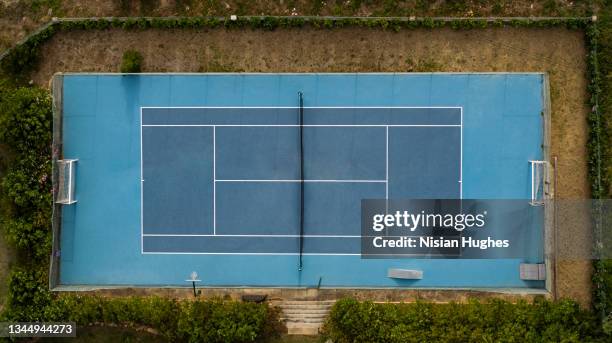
(281, 254)
(141, 191)
(461, 158)
(386, 164)
(306, 181)
(214, 180)
(292, 107)
(284, 254)
(310, 74)
(307, 125)
(253, 253)
(257, 235)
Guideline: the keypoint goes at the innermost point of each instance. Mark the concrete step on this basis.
(307, 302)
(297, 318)
(304, 320)
(290, 311)
(304, 306)
(303, 329)
(304, 317)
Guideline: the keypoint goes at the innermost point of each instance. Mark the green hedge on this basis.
(25, 195)
(604, 56)
(492, 321)
(213, 320)
(599, 39)
(28, 296)
(25, 130)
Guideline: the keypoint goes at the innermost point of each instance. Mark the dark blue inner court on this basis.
(229, 180)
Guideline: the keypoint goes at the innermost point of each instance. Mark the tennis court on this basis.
(227, 180)
(245, 177)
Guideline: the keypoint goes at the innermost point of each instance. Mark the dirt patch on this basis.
(281, 294)
(6, 259)
(101, 333)
(559, 52)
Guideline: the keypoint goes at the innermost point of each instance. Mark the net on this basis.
(65, 182)
(301, 122)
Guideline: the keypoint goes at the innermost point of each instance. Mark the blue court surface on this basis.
(210, 172)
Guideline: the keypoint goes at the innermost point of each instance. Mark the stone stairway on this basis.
(304, 317)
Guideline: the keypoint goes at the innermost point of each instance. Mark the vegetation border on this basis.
(19, 61)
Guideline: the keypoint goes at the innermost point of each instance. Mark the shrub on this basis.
(25, 120)
(599, 38)
(28, 235)
(25, 128)
(212, 320)
(28, 295)
(221, 321)
(607, 325)
(493, 321)
(27, 184)
(23, 58)
(132, 62)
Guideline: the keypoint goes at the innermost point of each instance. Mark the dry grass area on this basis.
(559, 52)
(20, 17)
